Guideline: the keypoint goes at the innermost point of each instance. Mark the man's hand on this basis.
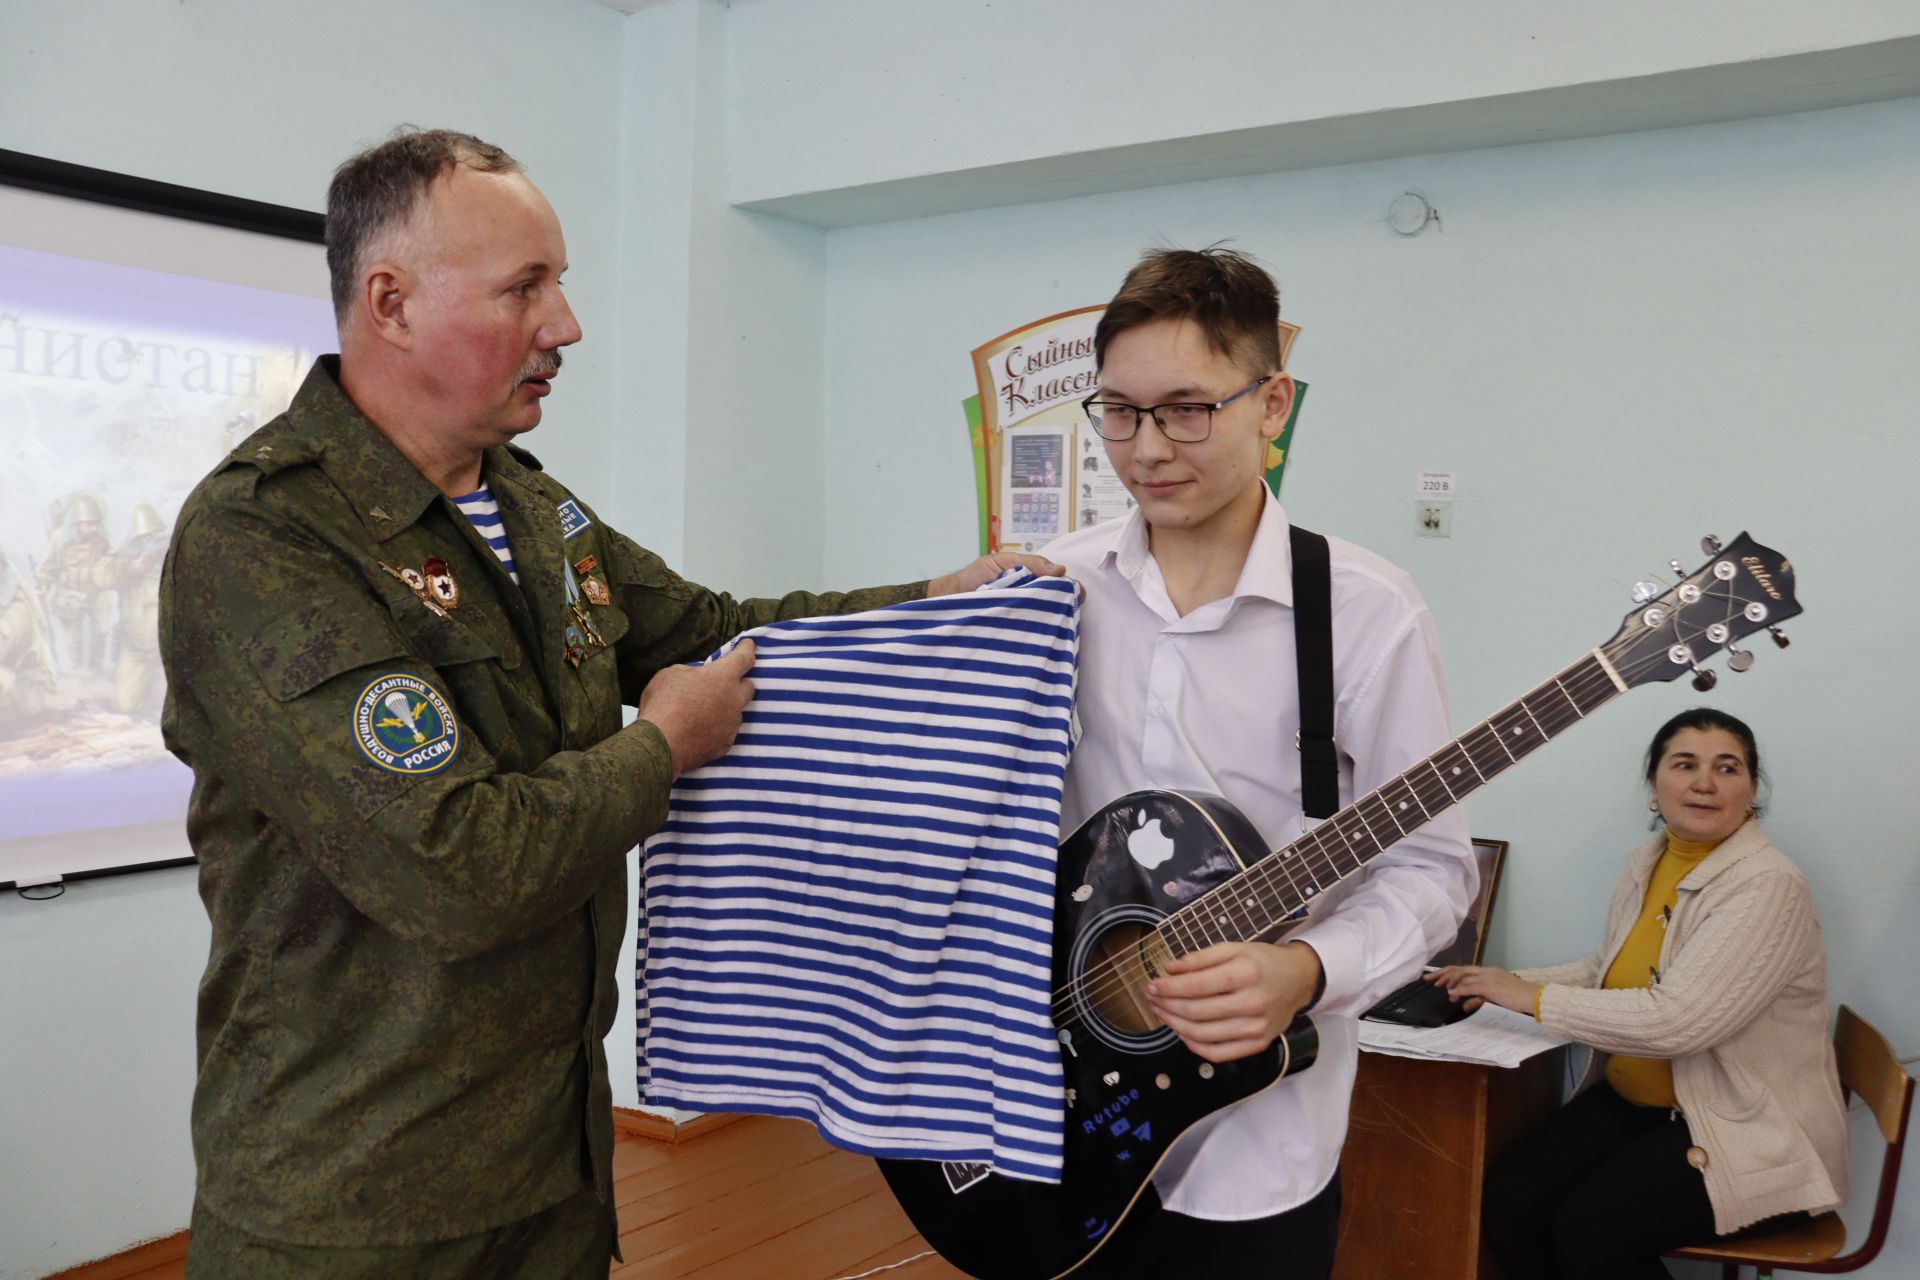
(1480, 984)
(1233, 999)
(697, 709)
(987, 568)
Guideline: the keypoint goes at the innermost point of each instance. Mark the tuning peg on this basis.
(1711, 545)
(1739, 659)
(1779, 637)
(1705, 680)
(1679, 570)
(1644, 591)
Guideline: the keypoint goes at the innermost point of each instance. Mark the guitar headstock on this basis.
(1744, 588)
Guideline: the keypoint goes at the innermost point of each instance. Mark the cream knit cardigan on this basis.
(1741, 1010)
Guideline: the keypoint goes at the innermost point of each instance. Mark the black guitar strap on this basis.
(1313, 643)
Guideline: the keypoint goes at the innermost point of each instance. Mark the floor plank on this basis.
(760, 1199)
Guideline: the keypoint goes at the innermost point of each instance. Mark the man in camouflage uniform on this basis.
(413, 794)
(82, 611)
(133, 571)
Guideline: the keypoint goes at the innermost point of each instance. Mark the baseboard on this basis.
(645, 1124)
(130, 1262)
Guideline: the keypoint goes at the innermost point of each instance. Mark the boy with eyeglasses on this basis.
(1188, 682)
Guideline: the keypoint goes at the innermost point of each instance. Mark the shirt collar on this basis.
(387, 491)
(1267, 574)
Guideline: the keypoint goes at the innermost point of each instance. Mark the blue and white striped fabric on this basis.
(849, 917)
(484, 513)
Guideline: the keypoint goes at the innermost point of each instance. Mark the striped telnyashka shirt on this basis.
(480, 508)
(849, 917)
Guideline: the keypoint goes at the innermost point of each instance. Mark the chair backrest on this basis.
(1871, 1071)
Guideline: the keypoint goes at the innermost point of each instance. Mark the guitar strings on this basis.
(1314, 841)
(1074, 1001)
(1101, 980)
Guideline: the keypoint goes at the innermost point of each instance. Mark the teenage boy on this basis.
(1188, 682)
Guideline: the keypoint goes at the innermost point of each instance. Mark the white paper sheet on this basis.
(1498, 1037)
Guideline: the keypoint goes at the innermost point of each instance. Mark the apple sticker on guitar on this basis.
(1149, 844)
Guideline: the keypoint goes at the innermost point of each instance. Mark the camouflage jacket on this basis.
(411, 823)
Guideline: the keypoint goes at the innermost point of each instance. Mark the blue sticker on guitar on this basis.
(572, 519)
(402, 724)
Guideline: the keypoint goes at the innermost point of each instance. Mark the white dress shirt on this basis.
(1210, 703)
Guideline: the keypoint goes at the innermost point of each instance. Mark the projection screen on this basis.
(145, 330)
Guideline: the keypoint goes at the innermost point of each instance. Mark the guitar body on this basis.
(1132, 1087)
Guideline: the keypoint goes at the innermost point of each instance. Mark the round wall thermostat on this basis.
(1409, 213)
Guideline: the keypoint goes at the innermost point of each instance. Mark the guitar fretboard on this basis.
(1263, 898)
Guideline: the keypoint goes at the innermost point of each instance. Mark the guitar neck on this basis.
(1265, 897)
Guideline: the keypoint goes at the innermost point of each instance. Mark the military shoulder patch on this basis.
(402, 724)
(572, 519)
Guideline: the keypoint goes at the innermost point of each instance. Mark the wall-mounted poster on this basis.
(1039, 468)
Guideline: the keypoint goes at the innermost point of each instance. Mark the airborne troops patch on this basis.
(402, 724)
(573, 521)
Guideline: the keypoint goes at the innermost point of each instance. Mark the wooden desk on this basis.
(1418, 1145)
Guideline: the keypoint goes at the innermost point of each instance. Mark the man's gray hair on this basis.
(376, 191)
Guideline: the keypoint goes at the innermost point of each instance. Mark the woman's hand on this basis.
(1480, 984)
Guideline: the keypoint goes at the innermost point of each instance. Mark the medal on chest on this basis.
(581, 634)
(422, 585)
(591, 587)
(440, 583)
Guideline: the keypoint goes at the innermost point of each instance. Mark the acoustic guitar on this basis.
(1158, 874)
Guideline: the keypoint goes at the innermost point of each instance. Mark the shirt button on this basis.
(1697, 1157)
(1158, 710)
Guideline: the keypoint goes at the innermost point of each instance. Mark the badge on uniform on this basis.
(417, 583)
(576, 644)
(581, 633)
(595, 590)
(440, 583)
(573, 521)
(402, 724)
(586, 565)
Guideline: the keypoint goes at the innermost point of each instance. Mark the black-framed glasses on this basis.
(1182, 422)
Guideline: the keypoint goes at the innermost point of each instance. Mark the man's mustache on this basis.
(544, 365)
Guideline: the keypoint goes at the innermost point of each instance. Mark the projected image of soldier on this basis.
(133, 572)
(81, 611)
(26, 660)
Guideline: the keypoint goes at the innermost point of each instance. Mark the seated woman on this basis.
(1719, 1105)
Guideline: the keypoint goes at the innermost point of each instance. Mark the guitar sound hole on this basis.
(1116, 977)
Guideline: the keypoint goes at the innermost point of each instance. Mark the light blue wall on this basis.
(1618, 344)
(978, 103)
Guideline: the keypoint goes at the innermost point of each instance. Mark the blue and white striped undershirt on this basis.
(849, 917)
(480, 508)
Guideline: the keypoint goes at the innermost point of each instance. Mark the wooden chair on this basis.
(1871, 1070)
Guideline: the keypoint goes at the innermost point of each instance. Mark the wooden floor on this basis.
(757, 1199)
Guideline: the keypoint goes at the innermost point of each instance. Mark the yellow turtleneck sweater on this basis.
(1648, 1082)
